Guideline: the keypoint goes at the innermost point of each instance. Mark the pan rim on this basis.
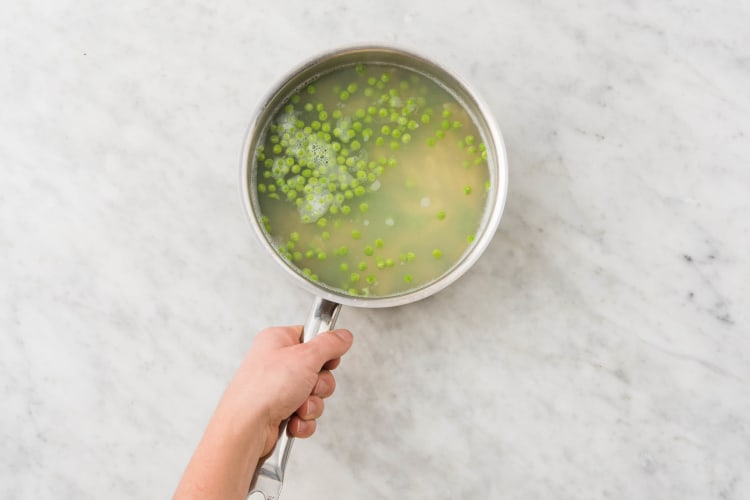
(497, 161)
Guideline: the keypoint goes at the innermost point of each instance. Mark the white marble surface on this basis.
(599, 348)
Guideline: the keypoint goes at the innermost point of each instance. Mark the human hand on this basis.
(278, 379)
(284, 378)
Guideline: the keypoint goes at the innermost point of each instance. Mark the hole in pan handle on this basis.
(269, 475)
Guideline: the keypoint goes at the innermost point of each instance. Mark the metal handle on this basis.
(269, 475)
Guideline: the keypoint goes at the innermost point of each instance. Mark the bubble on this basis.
(316, 205)
(425, 202)
(320, 154)
(286, 121)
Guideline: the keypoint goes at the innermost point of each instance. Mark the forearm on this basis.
(225, 459)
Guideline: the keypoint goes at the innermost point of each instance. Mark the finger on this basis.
(327, 346)
(332, 364)
(301, 428)
(311, 409)
(325, 385)
(279, 336)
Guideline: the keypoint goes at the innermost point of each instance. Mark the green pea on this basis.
(379, 243)
(356, 234)
(406, 138)
(437, 253)
(408, 278)
(410, 256)
(467, 189)
(322, 222)
(363, 207)
(441, 215)
(322, 256)
(344, 267)
(354, 277)
(326, 235)
(368, 250)
(370, 279)
(362, 266)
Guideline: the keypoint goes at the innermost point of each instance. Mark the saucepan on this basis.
(328, 196)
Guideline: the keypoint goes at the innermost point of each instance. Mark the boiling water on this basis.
(372, 180)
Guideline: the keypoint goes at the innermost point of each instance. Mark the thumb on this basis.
(327, 346)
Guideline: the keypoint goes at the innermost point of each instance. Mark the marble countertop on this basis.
(599, 348)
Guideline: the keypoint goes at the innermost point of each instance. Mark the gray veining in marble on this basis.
(599, 348)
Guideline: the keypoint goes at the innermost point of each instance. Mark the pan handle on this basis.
(269, 475)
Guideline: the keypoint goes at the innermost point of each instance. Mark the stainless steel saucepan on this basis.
(269, 475)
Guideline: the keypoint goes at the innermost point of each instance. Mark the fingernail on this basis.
(344, 335)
